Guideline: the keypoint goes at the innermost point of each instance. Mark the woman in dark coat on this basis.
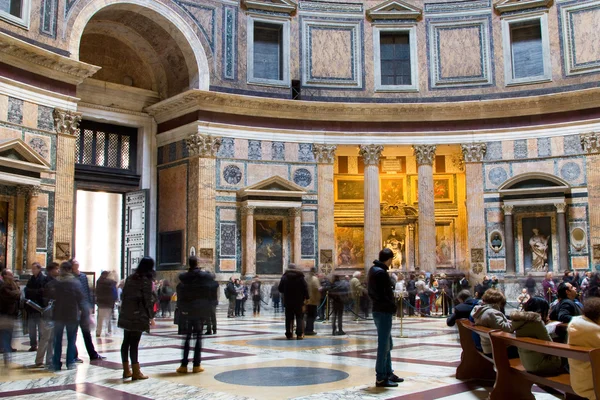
(338, 294)
(10, 295)
(137, 315)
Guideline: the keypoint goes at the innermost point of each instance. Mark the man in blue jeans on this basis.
(381, 292)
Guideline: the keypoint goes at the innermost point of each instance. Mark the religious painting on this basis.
(444, 246)
(3, 231)
(349, 246)
(537, 244)
(443, 189)
(394, 238)
(392, 190)
(269, 246)
(349, 189)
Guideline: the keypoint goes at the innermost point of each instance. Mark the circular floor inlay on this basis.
(281, 376)
(316, 342)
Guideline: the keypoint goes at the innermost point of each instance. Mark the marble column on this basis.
(22, 193)
(66, 124)
(563, 246)
(473, 154)
(410, 248)
(425, 155)
(296, 214)
(371, 153)
(32, 212)
(509, 239)
(250, 242)
(202, 196)
(591, 146)
(325, 156)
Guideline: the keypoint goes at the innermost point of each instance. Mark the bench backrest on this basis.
(481, 330)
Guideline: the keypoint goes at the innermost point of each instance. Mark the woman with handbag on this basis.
(137, 315)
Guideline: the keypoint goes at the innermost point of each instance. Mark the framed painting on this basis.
(269, 247)
(349, 246)
(349, 189)
(392, 190)
(443, 189)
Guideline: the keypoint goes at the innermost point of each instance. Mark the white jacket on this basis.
(586, 333)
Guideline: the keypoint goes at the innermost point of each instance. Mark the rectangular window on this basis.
(527, 50)
(15, 11)
(268, 51)
(395, 58)
(105, 145)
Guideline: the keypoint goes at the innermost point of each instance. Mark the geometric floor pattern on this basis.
(249, 358)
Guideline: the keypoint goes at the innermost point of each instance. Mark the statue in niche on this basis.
(396, 244)
(539, 250)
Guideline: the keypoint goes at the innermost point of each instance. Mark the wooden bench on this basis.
(473, 363)
(513, 382)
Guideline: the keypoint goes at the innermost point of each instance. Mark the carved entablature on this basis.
(425, 153)
(590, 142)
(394, 9)
(371, 153)
(66, 122)
(203, 145)
(281, 6)
(473, 152)
(519, 5)
(324, 153)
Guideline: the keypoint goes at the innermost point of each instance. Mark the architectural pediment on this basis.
(274, 186)
(20, 164)
(394, 9)
(283, 6)
(40, 61)
(518, 5)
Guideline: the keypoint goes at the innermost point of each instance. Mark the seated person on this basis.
(489, 315)
(464, 306)
(531, 323)
(565, 309)
(585, 331)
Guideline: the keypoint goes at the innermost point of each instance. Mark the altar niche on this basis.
(269, 246)
(537, 237)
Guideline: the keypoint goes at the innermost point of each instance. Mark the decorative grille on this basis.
(106, 146)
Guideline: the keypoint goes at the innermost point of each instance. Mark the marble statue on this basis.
(539, 250)
(396, 244)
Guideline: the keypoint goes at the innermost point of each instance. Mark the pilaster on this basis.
(425, 155)
(371, 154)
(325, 157)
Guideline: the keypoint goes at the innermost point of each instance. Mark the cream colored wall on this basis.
(98, 226)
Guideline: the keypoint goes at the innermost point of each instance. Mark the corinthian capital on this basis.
(203, 145)
(324, 153)
(66, 122)
(473, 152)
(425, 153)
(371, 153)
(248, 210)
(590, 142)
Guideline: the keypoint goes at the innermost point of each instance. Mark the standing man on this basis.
(256, 296)
(294, 289)
(84, 321)
(356, 291)
(10, 295)
(106, 296)
(34, 291)
(231, 294)
(314, 297)
(211, 322)
(46, 343)
(384, 307)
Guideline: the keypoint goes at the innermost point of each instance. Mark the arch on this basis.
(552, 181)
(184, 35)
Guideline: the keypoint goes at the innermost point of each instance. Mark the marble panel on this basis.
(227, 214)
(577, 212)
(494, 216)
(572, 170)
(495, 175)
(227, 149)
(267, 150)
(305, 177)
(231, 175)
(308, 216)
(241, 149)
(49, 17)
(45, 119)
(572, 145)
(581, 46)
(308, 241)
(460, 52)
(230, 42)
(172, 193)
(494, 151)
(580, 262)
(227, 265)
(15, 110)
(204, 17)
(278, 151)
(508, 150)
(3, 108)
(40, 143)
(557, 146)
(291, 152)
(254, 150)
(533, 166)
(353, 165)
(520, 149)
(228, 244)
(497, 264)
(30, 114)
(259, 172)
(8, 133)
(544, 147)
(305, 152)
(532, 150)
(326, 45)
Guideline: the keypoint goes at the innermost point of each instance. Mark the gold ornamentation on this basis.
(203, 145)
(473, 152)
(425, 153)
(371, 153)
(66, 122)
(324, 153)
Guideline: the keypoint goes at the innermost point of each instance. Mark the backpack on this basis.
(226, 293)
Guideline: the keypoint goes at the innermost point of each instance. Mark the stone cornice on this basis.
(34, 59)
(199, 100)
(518, 5)
(394, 9)
(282, 6)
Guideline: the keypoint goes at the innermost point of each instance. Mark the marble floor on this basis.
(249, 358)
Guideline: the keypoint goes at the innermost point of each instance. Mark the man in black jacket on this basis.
(384, 307)
(463, 308)
(294, 289)
(566, 308)
(34, 291)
